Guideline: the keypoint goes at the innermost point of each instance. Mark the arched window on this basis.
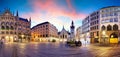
(115, 27)
(109, 28)
(11, 23)
(11, 28)
(3, 23)
(103, 27)
(7, 23)
(2, 27)
(7, 27)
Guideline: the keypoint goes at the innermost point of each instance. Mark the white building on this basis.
(102, 25)
(64, 35)
(86, 29)
(109, 24)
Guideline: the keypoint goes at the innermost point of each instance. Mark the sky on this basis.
(58, 12)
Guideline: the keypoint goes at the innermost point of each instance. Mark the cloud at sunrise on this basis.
(58, 12)
(52, 11)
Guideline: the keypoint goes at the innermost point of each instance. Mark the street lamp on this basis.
(22, 37)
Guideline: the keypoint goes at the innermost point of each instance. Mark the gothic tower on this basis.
(72, 28)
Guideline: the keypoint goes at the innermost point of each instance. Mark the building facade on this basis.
(104, 25)
(79, 33)
(44, 32)
(24, 32)
(86, 29)
(9, 26)
(109, 24)
(94, 27)
(63, 35)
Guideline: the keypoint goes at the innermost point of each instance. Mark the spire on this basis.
(17, 13)
(72, 23)
(30, 19)
(7, 10)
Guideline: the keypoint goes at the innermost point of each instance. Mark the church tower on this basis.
(72, 31)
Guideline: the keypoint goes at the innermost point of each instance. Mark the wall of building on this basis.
(44, 32)
(94, 26)
(109, 17)
(9, 25)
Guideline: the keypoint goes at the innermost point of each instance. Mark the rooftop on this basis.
(40, 24)
(23, 19)
(109, 7)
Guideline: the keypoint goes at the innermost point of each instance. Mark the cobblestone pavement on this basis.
(57, 50)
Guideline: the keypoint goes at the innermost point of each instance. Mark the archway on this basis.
(114, 35)
(114, 38)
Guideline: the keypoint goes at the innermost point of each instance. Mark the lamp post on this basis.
(22, 37)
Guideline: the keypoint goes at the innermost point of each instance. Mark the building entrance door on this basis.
(114, 38)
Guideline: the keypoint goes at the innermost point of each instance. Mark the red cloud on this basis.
(50, 9)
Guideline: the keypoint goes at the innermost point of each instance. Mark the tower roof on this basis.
(72, 24)
(17, 13)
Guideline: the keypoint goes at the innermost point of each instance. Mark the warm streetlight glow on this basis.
(112, 36)
(22, 36)
(7, 37)
(103, 32)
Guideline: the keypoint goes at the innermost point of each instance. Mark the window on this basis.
(111, 20)
(7, 32)
(46, 35)
(115, 19)
(7, 27)
(97, 26)
(111, 14)
(3, 32)
(12, 28)
(97, 33)
(109, 28)
(102, 15)
(11, 32)
(115, 14)
(103, 27)
(2, 27)
(115, 27)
